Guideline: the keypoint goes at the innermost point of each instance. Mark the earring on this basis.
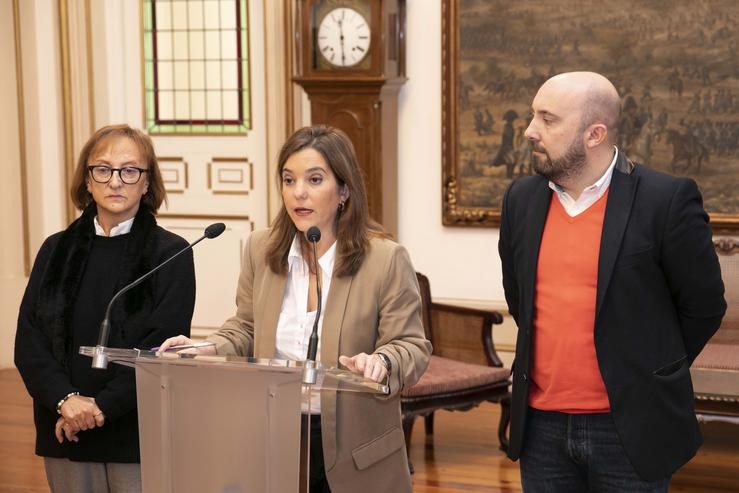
(341, 206)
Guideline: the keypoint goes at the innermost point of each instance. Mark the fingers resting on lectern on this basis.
(368, 365)
(174, 341)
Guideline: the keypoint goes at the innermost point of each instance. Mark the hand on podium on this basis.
(370, 366)
(183, 344)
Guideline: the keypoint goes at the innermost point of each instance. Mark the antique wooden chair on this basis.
(454, 380)
(715, 371)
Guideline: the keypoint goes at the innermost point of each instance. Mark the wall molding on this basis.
(22, 139)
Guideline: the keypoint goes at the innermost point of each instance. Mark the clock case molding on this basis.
(361, 100)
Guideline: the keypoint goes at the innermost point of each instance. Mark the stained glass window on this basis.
(196, 66)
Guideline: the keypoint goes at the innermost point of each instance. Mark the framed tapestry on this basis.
(675, 64)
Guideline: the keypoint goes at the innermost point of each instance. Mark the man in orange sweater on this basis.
(611, 276)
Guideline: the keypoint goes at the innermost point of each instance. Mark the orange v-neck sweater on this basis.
(565, 376)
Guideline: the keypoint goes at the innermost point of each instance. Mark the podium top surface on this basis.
(329, 378)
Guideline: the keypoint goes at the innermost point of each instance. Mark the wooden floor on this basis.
(462, 456)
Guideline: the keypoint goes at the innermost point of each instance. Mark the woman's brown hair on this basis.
(155, 194)
(354, 227)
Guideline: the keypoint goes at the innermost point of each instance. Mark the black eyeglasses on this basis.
(129, 175)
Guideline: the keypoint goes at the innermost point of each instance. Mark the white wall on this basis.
(461, 263)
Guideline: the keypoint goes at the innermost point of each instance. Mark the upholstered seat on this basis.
(450, 383)
(446, 376)
(719, 357)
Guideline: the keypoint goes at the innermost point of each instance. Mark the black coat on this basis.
(46, 344)
(659, 300)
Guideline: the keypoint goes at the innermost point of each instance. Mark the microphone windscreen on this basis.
(313, 234)
(214, 230)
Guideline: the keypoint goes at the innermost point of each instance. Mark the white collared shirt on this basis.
(296, 322)
(120, 229)
(589, 196)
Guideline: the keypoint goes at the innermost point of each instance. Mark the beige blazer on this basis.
(377, 309)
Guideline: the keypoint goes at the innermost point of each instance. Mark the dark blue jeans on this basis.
(577, 453)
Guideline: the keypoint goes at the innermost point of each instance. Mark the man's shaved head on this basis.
(595, 94)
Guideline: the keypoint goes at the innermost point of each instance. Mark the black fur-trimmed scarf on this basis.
(66, 267)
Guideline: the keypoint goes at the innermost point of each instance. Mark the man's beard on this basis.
(569, 165)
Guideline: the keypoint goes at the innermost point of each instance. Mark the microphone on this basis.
(211, 232)
(313, 234)
(99, 359)
(309, 376)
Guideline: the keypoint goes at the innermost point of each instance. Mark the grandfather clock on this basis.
(351, 63)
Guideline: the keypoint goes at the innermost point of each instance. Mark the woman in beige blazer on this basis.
(371, 320)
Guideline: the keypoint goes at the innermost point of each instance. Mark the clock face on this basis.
(343, 37)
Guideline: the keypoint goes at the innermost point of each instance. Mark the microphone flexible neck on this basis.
(104, 334)
(99, 360)
(313, 340)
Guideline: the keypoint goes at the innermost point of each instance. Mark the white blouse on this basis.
(296, 322)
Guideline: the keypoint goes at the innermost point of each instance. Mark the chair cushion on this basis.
(718, 357)
(445, 375)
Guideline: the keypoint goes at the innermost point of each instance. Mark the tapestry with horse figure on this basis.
(674, 62)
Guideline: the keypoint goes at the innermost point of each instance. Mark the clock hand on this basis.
(341, 38)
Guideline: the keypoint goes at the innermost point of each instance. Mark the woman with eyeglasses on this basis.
(86, 421)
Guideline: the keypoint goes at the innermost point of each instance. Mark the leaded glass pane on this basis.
(196, 68)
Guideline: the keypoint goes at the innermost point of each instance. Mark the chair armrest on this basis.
(458, 331)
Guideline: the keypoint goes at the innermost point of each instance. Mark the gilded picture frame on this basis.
(674, 62)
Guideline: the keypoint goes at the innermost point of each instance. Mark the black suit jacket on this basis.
(659, 300)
